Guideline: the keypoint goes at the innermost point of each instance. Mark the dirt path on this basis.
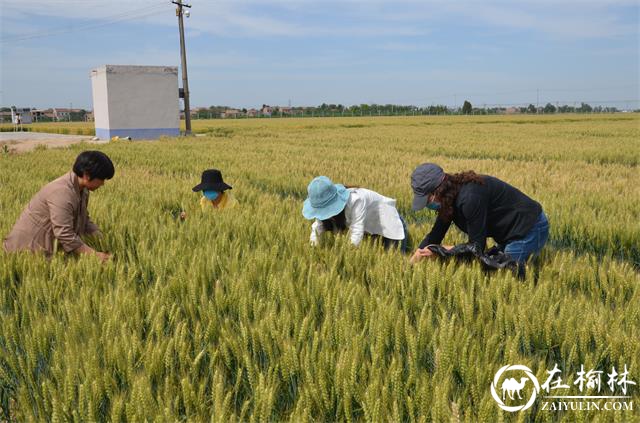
(21, 142)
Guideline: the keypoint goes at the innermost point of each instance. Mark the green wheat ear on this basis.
(232, 317)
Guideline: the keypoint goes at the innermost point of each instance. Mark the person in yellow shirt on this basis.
(215, 192)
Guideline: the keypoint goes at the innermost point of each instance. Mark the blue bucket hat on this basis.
(325, 199)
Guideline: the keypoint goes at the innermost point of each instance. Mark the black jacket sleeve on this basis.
(475, 210)
(437, 233)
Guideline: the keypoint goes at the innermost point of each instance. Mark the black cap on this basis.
(424, 181)
(211, 180)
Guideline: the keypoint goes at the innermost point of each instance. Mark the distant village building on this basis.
(511, 110)
(252, 113)
(198, 112)
(57, 114)
(5, 117)
(266, 110)
(193, 113)
(230, 113)
(63, 114)
(20, 116)
(42, 114)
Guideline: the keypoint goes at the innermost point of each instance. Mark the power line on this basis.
(540, 92)
(91, 24)
(112, 20)
(564, 102)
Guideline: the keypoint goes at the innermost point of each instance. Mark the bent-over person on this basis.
(482, 206)
(58, 213)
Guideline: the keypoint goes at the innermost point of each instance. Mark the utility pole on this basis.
(183, 54)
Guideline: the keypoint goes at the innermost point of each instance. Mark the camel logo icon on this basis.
(511, 385)
(513, 389)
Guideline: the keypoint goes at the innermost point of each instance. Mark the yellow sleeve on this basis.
(228, 202)
(204, 203)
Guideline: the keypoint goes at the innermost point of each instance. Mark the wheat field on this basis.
(233, 317)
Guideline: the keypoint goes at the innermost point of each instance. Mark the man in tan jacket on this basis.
(57, 215)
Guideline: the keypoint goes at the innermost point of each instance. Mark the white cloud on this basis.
(258, 18)
(561, 20)
(414, 46)
(349, 69)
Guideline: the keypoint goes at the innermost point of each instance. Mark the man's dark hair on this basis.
(95, 163)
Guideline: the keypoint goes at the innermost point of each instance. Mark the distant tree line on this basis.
(338, 110)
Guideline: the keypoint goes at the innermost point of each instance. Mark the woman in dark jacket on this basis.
(482, 206)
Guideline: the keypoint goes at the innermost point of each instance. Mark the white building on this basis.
(140, 102)
(20, 116)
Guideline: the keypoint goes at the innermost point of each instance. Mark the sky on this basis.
(245, 53)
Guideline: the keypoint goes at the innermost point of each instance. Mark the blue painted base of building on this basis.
(137, 133)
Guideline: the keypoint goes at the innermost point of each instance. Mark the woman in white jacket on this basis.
(337, 208)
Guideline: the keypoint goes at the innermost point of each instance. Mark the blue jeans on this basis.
(521, 249)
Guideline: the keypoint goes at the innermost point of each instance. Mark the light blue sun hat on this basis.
(325, 199)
